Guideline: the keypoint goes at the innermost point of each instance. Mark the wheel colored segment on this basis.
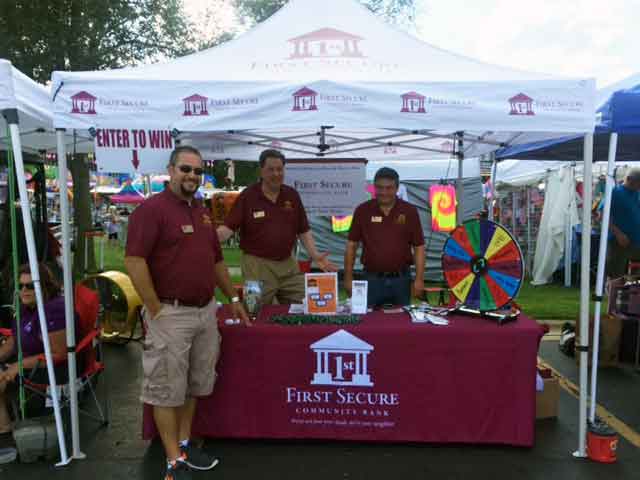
(473, 299)
(486, 298)
(508, 253)
(486, 234)
(450, 263)
(462, 238)
(500, 297)
(473, 232)
(498, 241)
(512, 268)
(508, 284)
(453, 249)
(461, 290)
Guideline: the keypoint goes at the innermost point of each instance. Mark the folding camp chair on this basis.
(89, 358)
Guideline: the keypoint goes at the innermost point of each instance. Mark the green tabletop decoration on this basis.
(316, 319)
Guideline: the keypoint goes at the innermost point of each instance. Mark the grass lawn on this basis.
(546, 302)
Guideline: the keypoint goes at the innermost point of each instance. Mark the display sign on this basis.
(321, 293)
(328, 187)
(132, 150)
(359, 296)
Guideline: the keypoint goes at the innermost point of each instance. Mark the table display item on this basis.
(316, 319)
(252, 296)
(321, 293)
(483, 266)
(359, 296)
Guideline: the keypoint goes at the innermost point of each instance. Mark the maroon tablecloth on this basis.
(387, 379)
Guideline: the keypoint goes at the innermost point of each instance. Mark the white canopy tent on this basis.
(26, 113)
(329, 78)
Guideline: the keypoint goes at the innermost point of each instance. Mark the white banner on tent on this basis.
(332, 188)
(132, 150)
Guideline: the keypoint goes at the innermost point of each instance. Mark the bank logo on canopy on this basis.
(304, 100)
(521, 104)
(326, 43)
(413, 102)
(83, 103)
(341, 359)
(195, 105)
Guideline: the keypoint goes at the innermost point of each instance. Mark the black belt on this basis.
(179, 303)
(402, 273)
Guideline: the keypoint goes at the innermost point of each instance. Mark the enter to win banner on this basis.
(327, 188)
(128, 150)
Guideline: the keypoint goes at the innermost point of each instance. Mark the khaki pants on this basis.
(281, 280)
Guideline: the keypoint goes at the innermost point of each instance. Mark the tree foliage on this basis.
(42, 36)
(394, 11)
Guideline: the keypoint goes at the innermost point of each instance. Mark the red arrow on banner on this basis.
(135, 160)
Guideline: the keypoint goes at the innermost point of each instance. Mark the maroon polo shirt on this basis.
(179, 243)
(386, 239)
(268, 229)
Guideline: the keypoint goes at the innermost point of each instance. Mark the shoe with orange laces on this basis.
(178, 470)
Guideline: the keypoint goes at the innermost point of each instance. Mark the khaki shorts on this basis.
(181, 350)
(280, 279)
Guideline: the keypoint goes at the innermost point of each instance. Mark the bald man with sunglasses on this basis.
(175, 262)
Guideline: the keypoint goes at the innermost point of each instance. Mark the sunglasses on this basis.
(188, 169)
(28, 285)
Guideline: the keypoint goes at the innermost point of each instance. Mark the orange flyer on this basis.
(321, 293)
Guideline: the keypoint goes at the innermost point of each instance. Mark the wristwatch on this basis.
(235, 299)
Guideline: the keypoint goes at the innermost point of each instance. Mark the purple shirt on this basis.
(30, 333)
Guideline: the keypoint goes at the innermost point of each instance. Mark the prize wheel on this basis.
(482, 265)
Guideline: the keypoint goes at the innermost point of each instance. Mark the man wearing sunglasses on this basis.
(175, 262)
(271, 217)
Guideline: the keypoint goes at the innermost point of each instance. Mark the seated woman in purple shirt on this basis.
(31, 338)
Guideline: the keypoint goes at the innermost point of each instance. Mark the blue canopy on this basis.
(619, 114)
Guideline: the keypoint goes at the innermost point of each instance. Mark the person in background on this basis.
(625, 224)
(31, 336)
(391, 235)
(113, 224)
(270, 217)
(175, 263)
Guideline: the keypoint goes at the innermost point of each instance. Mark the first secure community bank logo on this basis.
(83, 103)
(521, 104)
(304, 100)
(326, 43)
(195, 105)
(341, 359)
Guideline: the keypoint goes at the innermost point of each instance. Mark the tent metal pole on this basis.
(602, 255)
(583, 348)
(514, 206)
(68, 293)
(494, 174)
(459, 187)
(568, 245)
(529, 257)
(11, 116)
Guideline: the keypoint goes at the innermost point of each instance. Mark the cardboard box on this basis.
(547, 400)
(610, 331)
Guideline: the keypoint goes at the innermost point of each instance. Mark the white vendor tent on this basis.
(329, 78)
(26, 115)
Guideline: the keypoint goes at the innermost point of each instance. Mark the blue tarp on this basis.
(620, 114)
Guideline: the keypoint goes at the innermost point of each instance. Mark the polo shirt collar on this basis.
(379, 208)
(176, 199)
(263, 196)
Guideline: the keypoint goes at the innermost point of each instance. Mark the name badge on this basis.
(259, 214)
(187, 228)
(376, 219)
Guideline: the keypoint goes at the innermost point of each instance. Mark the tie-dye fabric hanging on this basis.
(443, 207)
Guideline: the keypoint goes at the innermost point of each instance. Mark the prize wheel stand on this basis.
(483, 266)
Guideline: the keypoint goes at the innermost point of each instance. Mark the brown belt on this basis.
(179, 303)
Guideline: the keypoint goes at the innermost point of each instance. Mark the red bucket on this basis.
(602, 443)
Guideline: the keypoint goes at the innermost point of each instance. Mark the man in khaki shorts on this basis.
(270, 217)
(175, 262)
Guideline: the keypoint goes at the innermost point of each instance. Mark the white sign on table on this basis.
(332, 187)
(131, 150)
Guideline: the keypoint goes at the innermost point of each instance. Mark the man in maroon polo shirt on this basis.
(175, 262)
(391, 235)
(270, 217)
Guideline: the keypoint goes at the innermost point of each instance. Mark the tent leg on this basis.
(68, 294)
(602, 255)
(494, 174)
(583, 348)
(459, 186)
(12, 120)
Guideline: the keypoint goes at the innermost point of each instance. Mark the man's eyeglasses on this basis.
(188, 169)
(28, 285)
